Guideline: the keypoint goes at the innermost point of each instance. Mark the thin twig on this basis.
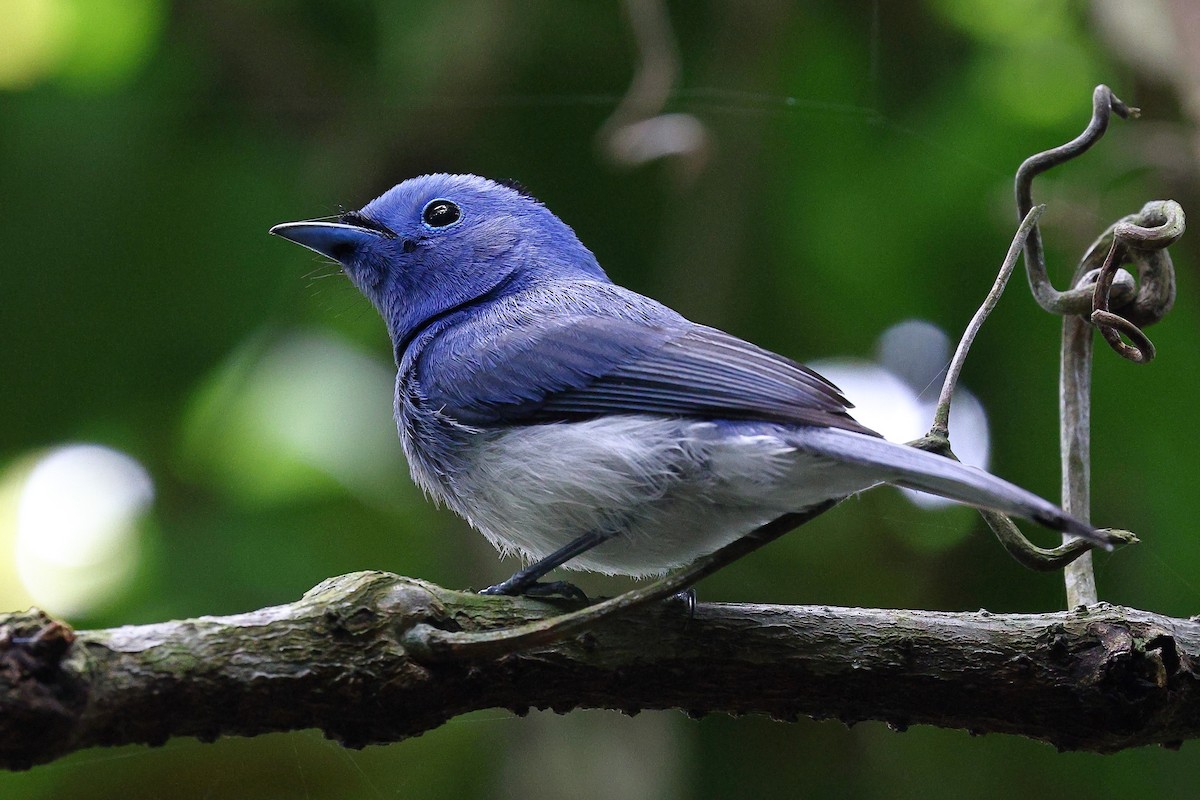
(941, 415)
(1074, 394)
(1044, 559)
(1028, 554)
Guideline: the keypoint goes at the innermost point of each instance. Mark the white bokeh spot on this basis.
(77, 526)
(897, 396)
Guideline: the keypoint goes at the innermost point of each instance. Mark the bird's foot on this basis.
(548, 590)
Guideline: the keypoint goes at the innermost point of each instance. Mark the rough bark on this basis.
(340, 659)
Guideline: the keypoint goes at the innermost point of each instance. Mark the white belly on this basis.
(670, 490)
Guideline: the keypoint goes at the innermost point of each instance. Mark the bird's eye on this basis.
(440, 213)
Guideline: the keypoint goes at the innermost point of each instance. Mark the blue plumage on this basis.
(578, 422)
(573, 350)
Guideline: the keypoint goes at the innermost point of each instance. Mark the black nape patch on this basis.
(518, 187)
(363, 221)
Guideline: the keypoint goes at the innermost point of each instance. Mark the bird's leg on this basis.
(525, 581)
(436, 643)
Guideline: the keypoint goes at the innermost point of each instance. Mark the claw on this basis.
(687, 597)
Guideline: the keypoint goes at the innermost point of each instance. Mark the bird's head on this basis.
(437, 242)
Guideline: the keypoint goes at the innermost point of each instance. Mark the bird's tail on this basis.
(916, 469)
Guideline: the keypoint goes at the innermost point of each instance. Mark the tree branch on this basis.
(1100, 679)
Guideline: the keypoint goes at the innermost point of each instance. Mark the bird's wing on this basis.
(582, 365)
(708, 373)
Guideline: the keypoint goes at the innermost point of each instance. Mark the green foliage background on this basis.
(860, 175)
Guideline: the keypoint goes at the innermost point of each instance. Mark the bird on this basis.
(582, 425)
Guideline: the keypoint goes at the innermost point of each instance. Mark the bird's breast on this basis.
(437, 447)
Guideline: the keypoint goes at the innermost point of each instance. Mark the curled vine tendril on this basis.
(1139, 240)
(1101, 291)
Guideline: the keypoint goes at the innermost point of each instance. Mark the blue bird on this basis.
(580, 424)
